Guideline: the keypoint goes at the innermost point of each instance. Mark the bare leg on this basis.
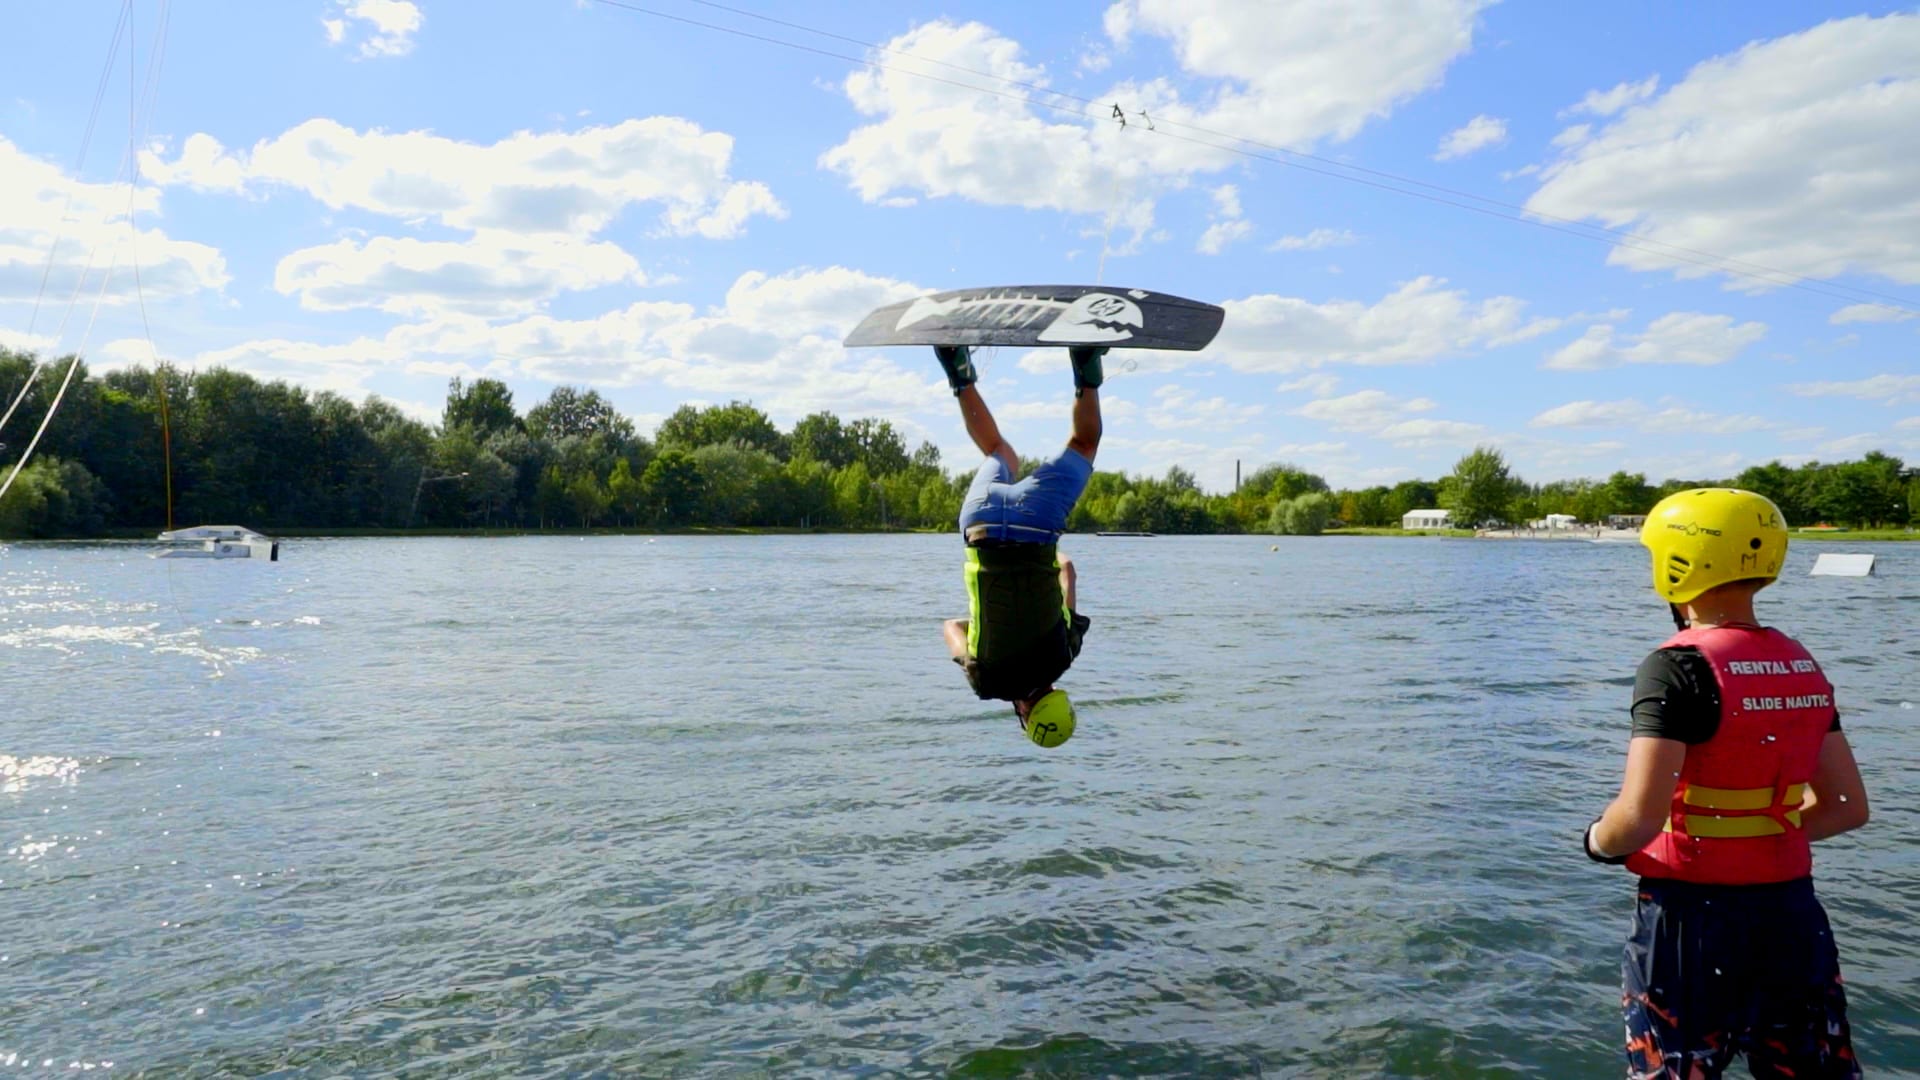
(984, 432)
(1067, 581)
(1086, 422)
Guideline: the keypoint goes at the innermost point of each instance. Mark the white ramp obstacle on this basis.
(1836, 565)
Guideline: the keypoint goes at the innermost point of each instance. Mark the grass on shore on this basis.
(1855, 534)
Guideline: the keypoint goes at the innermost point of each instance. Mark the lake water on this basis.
(695, 806)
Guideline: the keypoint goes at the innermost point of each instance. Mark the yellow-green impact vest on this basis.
(1013, 599)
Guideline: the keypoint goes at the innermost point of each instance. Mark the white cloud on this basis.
(1395, 420)
(389, 25)
(44, 213)
(1869, 313)
(1590, 414)
(495, 274)
(1314, 241)
(1430, 433)
(1058, 410)
(1420, 321)
(1220, 234)
(554, 182)
(1572, 136)
(1179, 407)
(1672, 419)
(1479, 133)
(1680, 337)
(1364, 410)
(1793, 153)
(1886, 389)
(1226, 201)
(1910, 423)
(1228, 225)
(775, 339)
(21, 341)
(1319, 384)
(1604, 103)
(1211, 463)
(1853, 445)
(1251, 58)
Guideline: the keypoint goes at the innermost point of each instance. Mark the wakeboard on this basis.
(1036, 316)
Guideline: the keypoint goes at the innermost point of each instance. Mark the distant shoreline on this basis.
(1617, 536)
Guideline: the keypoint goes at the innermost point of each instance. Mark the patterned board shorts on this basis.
(1716, 971)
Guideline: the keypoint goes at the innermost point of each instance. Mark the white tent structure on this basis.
(1427, 519)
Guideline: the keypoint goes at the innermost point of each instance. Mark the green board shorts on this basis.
(1038, 668)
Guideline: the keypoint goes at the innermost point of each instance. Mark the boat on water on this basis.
(219, 542)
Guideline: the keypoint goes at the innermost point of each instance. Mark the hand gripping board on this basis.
(1033, 316)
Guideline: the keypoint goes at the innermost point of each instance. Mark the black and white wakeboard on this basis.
(1036, 316)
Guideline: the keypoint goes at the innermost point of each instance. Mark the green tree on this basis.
(735, 476)
(809, 492)
(569, 411)
(588, 498)
(486, 407)
(1628, 493)
(1281, 481)
(1410, 495)
(51, 498)
(550, 497)
(1480, 489)
(672, 484)
(689, 428)
(817, 437)
(881, 447)
(1304, 515)
(625, 494)
(855, 500)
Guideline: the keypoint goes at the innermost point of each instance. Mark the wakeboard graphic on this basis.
(1030, 316)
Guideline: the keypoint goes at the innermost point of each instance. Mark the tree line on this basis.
(271, 455)
(1878, 491)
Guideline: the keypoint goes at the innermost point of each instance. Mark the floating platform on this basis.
(1124, 534)
(1832, 564)
(220, 542)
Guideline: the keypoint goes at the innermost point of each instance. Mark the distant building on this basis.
(1626, 521)
(1427, 519)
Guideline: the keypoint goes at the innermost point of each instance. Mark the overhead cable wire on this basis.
(1759, 268)
(1386, 181)
(130, 165)
(66, 211)
(146, 327)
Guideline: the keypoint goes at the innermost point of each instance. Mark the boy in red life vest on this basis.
(1736, 765)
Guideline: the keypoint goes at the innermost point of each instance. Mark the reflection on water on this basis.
(690, 806)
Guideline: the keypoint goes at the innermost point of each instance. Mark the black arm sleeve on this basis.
(1675, 697)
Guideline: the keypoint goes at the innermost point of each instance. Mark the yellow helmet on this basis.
(1050, 721)
(1704, 538)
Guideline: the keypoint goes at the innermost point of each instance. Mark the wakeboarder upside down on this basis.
(1023, 629)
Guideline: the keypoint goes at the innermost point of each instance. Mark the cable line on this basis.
(1385, 181)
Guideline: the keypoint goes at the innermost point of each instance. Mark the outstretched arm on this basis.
(982, 429)
(956, 633)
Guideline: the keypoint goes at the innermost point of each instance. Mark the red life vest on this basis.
(1735, 818)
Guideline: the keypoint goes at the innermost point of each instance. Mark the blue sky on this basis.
(374, 196)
